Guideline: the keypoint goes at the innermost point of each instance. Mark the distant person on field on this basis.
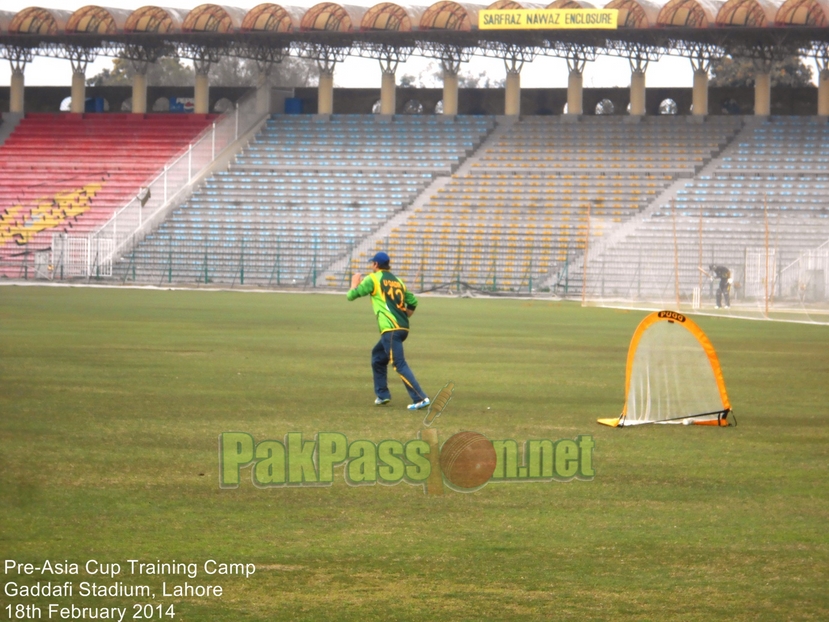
(724, 290)
(393, 306)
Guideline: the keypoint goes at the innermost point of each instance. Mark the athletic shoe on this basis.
(419, 405)
(382, 401)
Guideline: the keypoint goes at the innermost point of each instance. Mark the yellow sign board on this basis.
(547, 19)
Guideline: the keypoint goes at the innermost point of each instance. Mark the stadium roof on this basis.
(374, 30)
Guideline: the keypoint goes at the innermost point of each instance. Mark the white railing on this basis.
(130, 223)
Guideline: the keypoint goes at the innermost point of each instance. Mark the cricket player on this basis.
(724, 290)
(393, 306)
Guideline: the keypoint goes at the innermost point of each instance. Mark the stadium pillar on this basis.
(139, 93)
(637, 92)
(201, 89)
(78, 104)
(16, 91)
(700, 95)
(762, 93)
(639, 56)
(575, 93)
(79, 59)
(575, 82)
(512, 101)
(18, 57)
(823, 93)
(450, 92)
(388, 91)
(325, 97)
(263, 92)
(821, 56)
(201, 95)
(265, 63)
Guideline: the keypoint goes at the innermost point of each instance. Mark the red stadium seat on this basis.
(70, 172)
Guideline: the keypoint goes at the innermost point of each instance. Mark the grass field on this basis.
(112, 402)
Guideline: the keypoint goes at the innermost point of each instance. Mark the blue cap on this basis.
(380, 258)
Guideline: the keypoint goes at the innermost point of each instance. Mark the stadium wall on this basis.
(785, 101)
(49, 98)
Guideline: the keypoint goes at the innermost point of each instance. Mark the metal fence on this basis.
(258, 260)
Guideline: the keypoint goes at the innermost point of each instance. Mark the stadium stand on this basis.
(460, 204)
(301, 195)
(517, 212)
(768, 194)
(69, 173)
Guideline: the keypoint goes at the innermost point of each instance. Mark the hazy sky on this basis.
(543, 72)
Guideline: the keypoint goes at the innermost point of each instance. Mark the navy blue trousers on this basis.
(390, 350)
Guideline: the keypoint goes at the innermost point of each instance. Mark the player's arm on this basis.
(411, 303)
(360, 287)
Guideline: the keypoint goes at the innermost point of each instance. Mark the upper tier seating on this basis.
(301, 194)
(520, 212)
(782, 165)
(542, 145)
(69, 173)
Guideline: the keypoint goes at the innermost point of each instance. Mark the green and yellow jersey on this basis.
(389, 299)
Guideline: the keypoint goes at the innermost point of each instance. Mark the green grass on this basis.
(111, 403)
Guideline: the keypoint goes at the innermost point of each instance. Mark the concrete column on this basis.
(78, 92)
(388, 93)
(325, 97)
(139, 93)
(823, 93)
(512, 97)
(762, 94)
(16, 92)
(700, 96)
(575, 93)
(201, 95)
(450, 93)
(263, 93)
(637, 93)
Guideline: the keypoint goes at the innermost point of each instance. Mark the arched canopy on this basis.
(805, 22)
(5, 20)
(689, 13)
(37, 21)
(387, 16)
(213, 18)
(331, 17)
(571, 4)
(97, 20)
(512, 5)
(271, 18)
(505, 5)
(750, 13)
(635, 13)
(803, 13)
(153, 19)
(447, 15)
